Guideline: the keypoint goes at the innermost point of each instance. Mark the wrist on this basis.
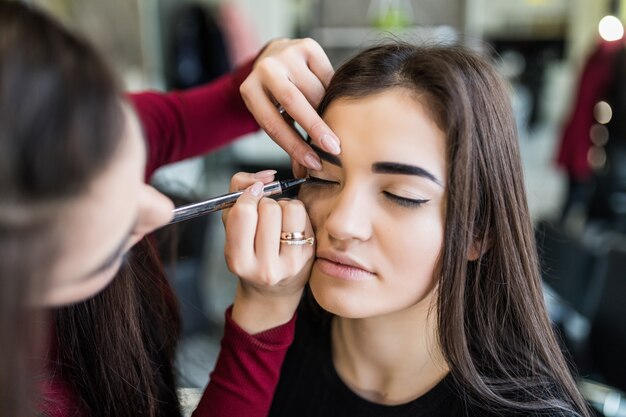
(256, 312)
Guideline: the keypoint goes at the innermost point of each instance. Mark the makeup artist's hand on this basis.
(271, 275)
(294, 74)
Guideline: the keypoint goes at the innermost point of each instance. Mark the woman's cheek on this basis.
(311, 200)
(305, 195)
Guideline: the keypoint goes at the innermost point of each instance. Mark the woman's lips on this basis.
(342, 271)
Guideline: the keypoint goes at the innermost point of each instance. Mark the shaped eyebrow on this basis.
(383, 167)
(325, 156)
(404, 169)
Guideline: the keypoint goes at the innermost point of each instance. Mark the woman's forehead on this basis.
(392, 126)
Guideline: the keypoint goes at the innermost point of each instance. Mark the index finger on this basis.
(299, 109)
(280, 131)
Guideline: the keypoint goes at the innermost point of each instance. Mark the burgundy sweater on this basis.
(593, 86)
(180, 125)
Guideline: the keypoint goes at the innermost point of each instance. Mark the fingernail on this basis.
(313, 161)
(266, 173)
(330, 143)
(256, 189)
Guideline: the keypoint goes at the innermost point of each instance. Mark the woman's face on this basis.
(101, 225)
(378, 210)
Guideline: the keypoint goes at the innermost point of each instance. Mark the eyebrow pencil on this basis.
(227, 200)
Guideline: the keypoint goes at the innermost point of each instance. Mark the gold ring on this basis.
(308, 241)
(291, 235)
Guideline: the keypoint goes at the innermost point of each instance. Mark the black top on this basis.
(310, 387)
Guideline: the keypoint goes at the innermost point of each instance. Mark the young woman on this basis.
(425, 266)
(73, 202)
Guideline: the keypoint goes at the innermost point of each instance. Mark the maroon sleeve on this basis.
(593, 86)
(247, 371)
(182, 124)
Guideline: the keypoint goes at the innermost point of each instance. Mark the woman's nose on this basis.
(155, 210)
(348, 219)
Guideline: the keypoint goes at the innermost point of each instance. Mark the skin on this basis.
(117, 210)
(376, 255)
(271, 276)
(293, 73)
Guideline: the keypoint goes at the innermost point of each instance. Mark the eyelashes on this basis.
(401, 201)
(314, 181)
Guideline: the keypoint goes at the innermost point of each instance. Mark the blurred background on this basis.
(566, 66)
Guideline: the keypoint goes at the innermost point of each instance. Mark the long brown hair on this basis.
(493, 326)
(61, 121)
(116, 350)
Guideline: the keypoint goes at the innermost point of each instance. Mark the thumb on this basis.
(253, 193)
(248, 200)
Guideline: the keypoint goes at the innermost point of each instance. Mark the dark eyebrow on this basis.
(404, 169)
(115, 255)
(330, 158)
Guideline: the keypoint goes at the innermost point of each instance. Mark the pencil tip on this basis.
(294, 182)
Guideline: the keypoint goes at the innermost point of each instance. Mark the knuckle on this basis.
(267, 276)
(296, 204)
(273, 127)
(243, 209)
(294, 149)
(316, 126)
(239, 177)
(288, 98)
(294, 208)
(269, 207)
(245, 87)
(309, 43)
(231, 260)
(267, 66)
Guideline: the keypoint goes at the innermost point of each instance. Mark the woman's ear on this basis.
(477, 249)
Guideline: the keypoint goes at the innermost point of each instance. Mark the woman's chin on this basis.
(336, 301)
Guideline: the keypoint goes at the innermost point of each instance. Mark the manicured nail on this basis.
(266, 173)
(313, 161)
(330, 143)
(256, 189)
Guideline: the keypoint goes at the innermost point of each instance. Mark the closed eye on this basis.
(314, 181)
(403, 201)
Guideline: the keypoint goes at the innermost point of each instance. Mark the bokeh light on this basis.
(611, 29)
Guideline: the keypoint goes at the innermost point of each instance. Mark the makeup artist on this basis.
(88, 322)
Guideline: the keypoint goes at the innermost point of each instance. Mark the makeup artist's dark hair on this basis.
(61, 122)
(116, 350)
(493, 326)
(59, 125)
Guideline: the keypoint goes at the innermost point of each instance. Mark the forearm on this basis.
(247, 371)
(183, 124)
(255, 312)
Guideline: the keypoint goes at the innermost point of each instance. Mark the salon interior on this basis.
(547, 50)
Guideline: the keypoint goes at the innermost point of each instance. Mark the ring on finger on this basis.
(295, 238)
(308, 241)
(291, 235)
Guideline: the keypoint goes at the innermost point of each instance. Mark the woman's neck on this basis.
(390, 359)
